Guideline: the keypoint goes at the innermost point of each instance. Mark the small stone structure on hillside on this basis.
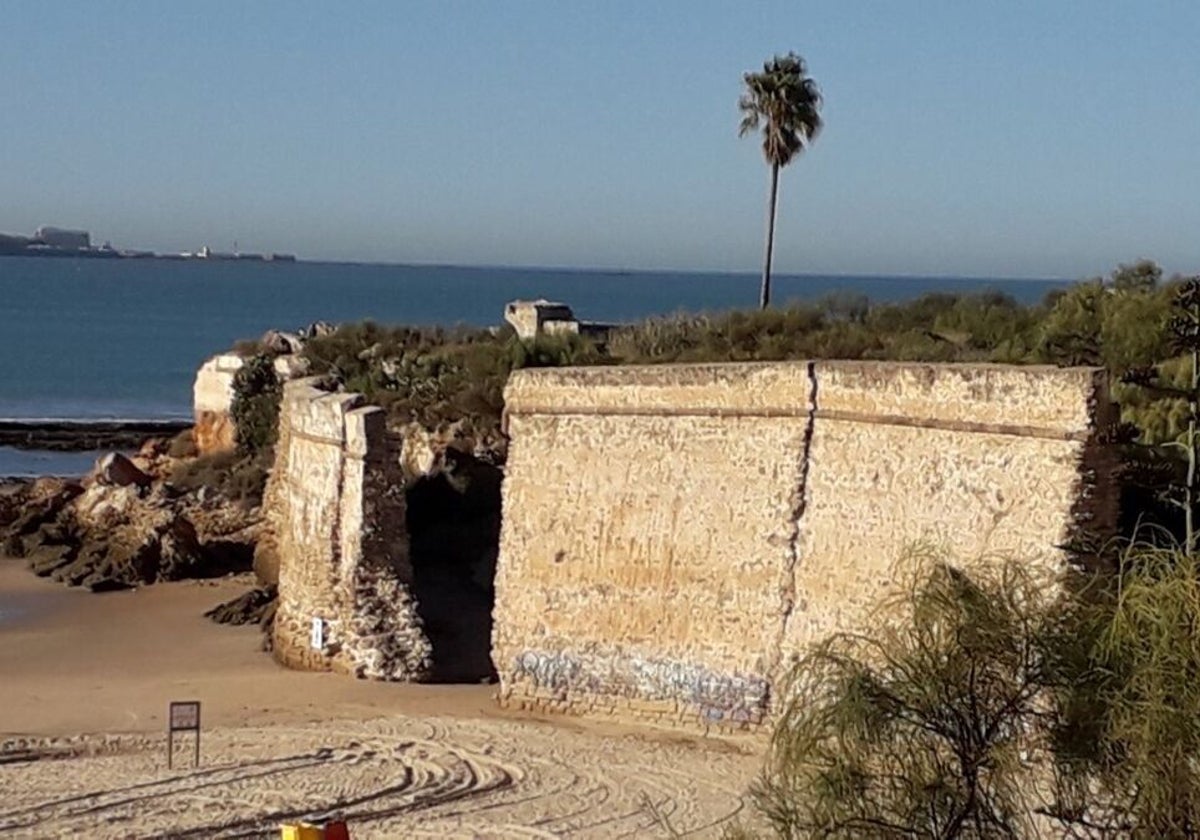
(531, 318)
(335, 505)
(672, 536)
(212, 397)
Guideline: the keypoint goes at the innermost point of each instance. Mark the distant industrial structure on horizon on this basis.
(53, 237)
(50, 241)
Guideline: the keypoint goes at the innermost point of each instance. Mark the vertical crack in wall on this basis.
(788, 592)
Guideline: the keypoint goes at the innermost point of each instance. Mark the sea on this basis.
(93, 339)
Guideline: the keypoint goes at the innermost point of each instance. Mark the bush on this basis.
(233, 475)
(917, 729)
(255, 407)
(437, 377)
(977, 707)
(1127, 727)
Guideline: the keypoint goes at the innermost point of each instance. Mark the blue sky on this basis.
(973, 138)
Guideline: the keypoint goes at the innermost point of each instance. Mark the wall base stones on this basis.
(674, 536)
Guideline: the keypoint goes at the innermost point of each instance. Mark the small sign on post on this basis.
(183, 716)
(317, 637)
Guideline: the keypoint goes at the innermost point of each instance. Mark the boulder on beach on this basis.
(115, 470)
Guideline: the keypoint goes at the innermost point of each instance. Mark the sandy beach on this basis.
(83, 698)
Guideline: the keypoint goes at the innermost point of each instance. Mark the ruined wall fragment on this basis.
(212, 397)
(335, 506)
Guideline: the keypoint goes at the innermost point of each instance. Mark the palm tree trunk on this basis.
(765, 296)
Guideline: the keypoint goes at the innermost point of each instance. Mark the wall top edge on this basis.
(677, 370)
(1056, 401)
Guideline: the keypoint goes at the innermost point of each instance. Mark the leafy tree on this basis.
(1143, 275)
(785, 103)
(1163, 381)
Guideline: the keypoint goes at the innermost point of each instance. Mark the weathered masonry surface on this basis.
(212, 396)
(335, 501)
(672, 535)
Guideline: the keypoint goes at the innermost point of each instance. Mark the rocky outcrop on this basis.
(254, 607)
(281, 343)
(124, 525)
(30, 506)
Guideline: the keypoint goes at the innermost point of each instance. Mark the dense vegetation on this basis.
(435, 376)
(978, 707)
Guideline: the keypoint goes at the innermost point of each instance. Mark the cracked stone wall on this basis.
(672, 535)
(335, 505)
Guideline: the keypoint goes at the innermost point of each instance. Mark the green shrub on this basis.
(1126, 728)
(233, 475)
(255, 407)
(437, 376)
(917, 728)
(977, 707)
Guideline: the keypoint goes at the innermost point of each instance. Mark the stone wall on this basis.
(212, 396)
(673, 535)
(335, 507)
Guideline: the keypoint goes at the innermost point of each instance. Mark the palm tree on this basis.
(785, 102)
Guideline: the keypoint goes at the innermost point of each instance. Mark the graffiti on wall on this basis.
(714, 695)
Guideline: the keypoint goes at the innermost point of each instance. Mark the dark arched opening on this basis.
(454, 538)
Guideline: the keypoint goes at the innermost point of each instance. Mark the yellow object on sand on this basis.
(302, 831)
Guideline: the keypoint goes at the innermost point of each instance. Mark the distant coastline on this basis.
(48, 241)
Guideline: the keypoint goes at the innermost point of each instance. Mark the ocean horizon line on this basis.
(747, 273)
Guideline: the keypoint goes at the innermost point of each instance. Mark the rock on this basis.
(45, 502)
(13, 496)
(252, 607)
(181, 555)
(127, 529)
(102, 507)
(45, 559)
(129, 555)
(317, 329)
(157, 447)
(290, 366)
(12, 546)
(115, 470)
(183, 445)
(276, 341)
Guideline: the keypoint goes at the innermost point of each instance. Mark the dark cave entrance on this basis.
(454, 538)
